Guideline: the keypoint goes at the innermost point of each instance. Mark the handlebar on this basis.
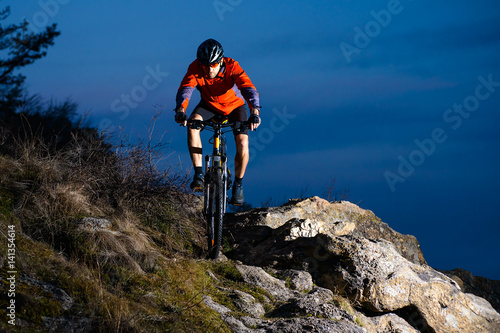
(199, 124)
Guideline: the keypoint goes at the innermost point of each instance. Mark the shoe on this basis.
(197, 185)
(237, 198)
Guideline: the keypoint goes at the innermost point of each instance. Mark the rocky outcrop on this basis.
(477, 285)
(314, 215)
(349, 251)
(375, 275)
(308, 266)
(312, 311)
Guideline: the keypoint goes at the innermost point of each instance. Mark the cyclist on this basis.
(224, 87)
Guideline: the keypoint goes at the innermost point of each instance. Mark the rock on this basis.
(312, 216)
(220, 258)
(374, 275)
(208, 301)
(266, 247)
(377, 276)
(477, 285)
(380, 270)
(314, 311)
(298, 280)
(247, 303)
(317, 303)
(94, 224)
(370, 227)
(257, 276)
(296, 312)
(251, 321)
(391, 323)
(236, 326)
(58, 294)
(483, 308)
(66, 323)
(315, 325)
(336, 218)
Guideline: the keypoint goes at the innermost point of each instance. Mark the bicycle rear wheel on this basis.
(215, 214)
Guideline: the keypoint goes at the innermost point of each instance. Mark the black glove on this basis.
(180, 117)
(254, 119)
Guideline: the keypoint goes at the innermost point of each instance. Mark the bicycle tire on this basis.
(216, 214)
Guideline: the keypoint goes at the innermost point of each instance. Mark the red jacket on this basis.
(224, 93)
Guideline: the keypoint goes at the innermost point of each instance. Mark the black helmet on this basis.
(209, 51)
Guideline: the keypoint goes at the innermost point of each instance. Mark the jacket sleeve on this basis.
(246, 86)
(186, 88)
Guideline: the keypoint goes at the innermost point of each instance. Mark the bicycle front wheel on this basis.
(216, 214)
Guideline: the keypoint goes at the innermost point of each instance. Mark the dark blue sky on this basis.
(397, 100)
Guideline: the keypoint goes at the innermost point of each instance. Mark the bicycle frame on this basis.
(216, 180)
(218, 159)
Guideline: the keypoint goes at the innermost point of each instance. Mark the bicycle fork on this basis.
(212, 164)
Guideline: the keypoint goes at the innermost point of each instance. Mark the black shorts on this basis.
(238, 115)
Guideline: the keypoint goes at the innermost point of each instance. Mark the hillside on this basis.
(96, 239)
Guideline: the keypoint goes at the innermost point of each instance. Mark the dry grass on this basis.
(122, 277)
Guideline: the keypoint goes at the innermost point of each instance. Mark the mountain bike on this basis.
(217, 179)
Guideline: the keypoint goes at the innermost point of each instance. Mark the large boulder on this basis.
(375, 275)
(477, 285)
(314, 215)
(349, 251)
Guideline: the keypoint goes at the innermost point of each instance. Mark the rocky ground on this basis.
(307, 266)
(310, 253)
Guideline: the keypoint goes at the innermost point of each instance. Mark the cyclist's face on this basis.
(212, 70)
